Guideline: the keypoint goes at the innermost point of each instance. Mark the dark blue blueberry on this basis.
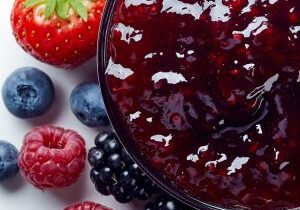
(8, 160)
(87, 105)
(28, 92)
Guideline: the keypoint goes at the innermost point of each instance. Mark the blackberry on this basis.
(115, 173)
(166, 202)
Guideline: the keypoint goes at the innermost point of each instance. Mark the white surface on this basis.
(16, 194)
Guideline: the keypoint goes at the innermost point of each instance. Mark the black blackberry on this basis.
(166, 202)
(115, 173)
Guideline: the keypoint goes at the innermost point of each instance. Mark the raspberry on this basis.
(52, 157)
(88, 205)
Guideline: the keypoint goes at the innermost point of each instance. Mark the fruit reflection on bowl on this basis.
(205, 94)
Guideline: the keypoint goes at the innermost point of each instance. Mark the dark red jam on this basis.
(210, 92)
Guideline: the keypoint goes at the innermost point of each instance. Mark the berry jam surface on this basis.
(210, 93)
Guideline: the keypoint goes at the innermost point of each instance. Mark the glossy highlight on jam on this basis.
(210, 93)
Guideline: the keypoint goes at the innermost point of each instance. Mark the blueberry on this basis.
(88, 106)
(8, 160)
(28, 92)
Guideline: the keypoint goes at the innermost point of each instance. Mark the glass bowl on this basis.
(255, 108)
(120, 129)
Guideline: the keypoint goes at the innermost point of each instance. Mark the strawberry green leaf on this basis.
(82, 11)
(31, 3)
(62, 8)
(79, 8)
(50, 8)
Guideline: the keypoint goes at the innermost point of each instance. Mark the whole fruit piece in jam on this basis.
(62, 33)
(52, 157)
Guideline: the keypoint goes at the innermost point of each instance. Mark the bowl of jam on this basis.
(205, 96)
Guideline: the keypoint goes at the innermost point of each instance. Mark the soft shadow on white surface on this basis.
(72, 194)
(13, 184)
(87, 72)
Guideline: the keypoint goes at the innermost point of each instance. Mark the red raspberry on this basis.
(88, 205)
(52, 157)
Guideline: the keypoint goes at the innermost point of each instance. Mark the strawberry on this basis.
(62, 33)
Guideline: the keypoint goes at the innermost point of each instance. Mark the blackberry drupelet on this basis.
(166, 202)
(115, 173)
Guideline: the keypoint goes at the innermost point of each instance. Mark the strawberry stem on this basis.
(60, 7)
(50, 8)
(32, 3)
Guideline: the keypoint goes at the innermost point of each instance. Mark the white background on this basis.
(17, 194)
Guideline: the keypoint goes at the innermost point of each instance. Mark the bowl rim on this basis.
(120, 131)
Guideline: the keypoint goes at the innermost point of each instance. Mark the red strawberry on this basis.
(87, 206)
(62, 33)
